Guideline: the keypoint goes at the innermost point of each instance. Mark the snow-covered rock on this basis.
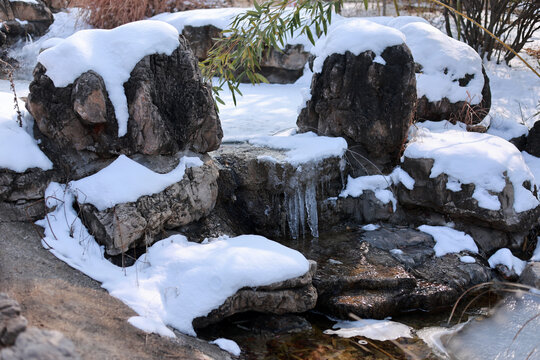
(363, 90)
(23, 18)
(471, 176)
(134, 89)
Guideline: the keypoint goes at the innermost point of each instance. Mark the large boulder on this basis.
(22, 18)
(139, 223)
(533, 140)
(41, 344)
(170, 109)
(290, 296)
(12, 323)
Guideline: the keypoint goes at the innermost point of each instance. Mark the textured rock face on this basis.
(41, 345)
(533, 140)
(140, 223)
(282, 67)
(357, 273)
(20, 194)
(369, 104)
(37, 15)
(170, 109)
(432, 193)
(459, 111)
(291, 296)
(272, 198)
(11, 321)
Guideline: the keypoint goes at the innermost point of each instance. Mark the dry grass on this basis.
(108, 14)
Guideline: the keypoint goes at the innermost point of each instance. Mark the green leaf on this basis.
(309, 35)
(366, 4)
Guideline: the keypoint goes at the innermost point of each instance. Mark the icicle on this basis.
(311, 207)
(301, 212)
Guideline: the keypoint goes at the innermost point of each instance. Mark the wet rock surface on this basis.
(380, 273)
(170, 109)
(290, 296)
(140, 223)
(369, 104)
(271, 197)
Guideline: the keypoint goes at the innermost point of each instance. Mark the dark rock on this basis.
(460, 111)
(11, 321)
(519, 142)
(533, 140)
(369, 104)
(431, 193)
(57, 5)
(170, 109)
(531, 275)
(278, 66)
(375, 274)
(142, 222)
(291, 296)
(272, 198)
(37, 344)
(22, 18)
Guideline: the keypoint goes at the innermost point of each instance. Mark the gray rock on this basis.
(369, 104)
(531, 275)
(11, 321)
(170, 109)
(36, 344)
(142, 222)
(459, 111)
(291, 296)
(273, 198)
(431, 193)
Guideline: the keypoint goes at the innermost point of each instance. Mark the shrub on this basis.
(107, 14)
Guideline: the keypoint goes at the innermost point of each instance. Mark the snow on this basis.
(536, 254)
(467, 259)
(25, 1)
(379, 184)
(65, 24)
(479, 159)
(227, 345)
(381, 330)
(302, 148)
(219, 18)
(355, 35)
(449, 240)
(534, 165)
(370, 227)
(18, 149)
(444, 60)
(112, 54)
(176, 280)
(125, 180)
(396, 252)
(505, 257)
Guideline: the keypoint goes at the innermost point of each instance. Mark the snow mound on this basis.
(444, 61)
(125, 180)
(449, 240)
(112, 54)
(302, 148)
(479, 159)
(381, 330)
(18, 149)
(176, 280)
(505, 257)
(219, 18)
(227, 345)
(379, 184)
(356, 36)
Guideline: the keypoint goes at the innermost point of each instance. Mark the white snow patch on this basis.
(26, 1)
(176, 280)
(227, 345)
(371, 227)
(220, 18)
(467, 259)
(112, 54)
(125, 180)
(534, 165)
(436, 127)
(335, 262)
(444, 60)
(449, 240)
(303, 148)
(355, 35)
(536, 254)
(505, 257)
(18, 149)
(379, 184)
(396, 252)
(381, 330)
(479, 159)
